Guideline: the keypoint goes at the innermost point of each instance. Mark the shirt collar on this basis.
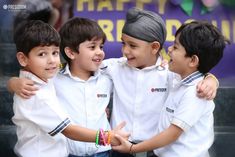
(31, 76)
(157, 65)
(66, 71)
(191, 78)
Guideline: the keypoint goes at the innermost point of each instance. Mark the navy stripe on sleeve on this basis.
(60, 127)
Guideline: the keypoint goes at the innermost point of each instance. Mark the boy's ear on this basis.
(69, 52)
(22, 59)
(194, 61)
(155, 47)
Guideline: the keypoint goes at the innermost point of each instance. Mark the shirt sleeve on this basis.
(190, 109)
(46, 114)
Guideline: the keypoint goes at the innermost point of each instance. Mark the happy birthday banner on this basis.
(110, 15)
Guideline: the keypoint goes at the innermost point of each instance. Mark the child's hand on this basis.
(125, 145)
(207, 88)
(118, 130)
(23, 87)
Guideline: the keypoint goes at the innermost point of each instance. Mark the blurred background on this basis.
(110, 15)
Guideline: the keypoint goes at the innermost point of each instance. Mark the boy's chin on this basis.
(94, 69)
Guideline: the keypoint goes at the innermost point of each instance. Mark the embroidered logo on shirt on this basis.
(169, 110)
(158, 90)
(102, 95)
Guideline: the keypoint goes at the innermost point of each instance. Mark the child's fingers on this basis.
(31, 88)
(120, 138)
(199, 86)
(210, 95)
(25, 96)
(124, 144)
(120, 126)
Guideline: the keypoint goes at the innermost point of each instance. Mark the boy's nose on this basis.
(100, 52)
(170, 48)
(125, 50)
(51, 58)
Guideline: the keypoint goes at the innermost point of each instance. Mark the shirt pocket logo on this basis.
(170, 110)
(158, 89)
(102, 95)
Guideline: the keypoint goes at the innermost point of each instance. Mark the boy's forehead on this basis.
(129, 38)
(95, 41)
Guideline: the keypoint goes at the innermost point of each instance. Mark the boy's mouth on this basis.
(51, 68)
(96, 60)
(130, 58)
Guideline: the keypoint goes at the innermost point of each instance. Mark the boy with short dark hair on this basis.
(39, 120)
(82, 89)
(186, 122)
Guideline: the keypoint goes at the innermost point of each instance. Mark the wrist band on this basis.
(131, 148)
(213, 76)
(109, 138)
(97, 138)
(102, 137)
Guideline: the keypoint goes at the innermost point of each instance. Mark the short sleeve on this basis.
(46, 114)
(190, 109)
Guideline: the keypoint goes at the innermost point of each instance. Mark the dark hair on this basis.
(30, 34)
(77, 30)
(204, 40)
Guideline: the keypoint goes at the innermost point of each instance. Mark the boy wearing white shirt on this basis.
(140, 81)
(82, 89)
(186, 122)
(40, 119)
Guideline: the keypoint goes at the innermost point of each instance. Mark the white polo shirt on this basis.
(85, 102)
(192, 114)
(138, 96)
(39, 121)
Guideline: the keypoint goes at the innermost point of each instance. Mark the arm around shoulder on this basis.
(207, 88)
(22, 87)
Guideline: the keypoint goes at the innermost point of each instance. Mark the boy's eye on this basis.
(101, 47)
(92, 47)
(42, 54)
(133, 46)
(55, 53)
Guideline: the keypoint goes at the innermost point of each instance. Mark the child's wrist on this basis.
(131, 149)
(212, 76)
(108, 137)
(103, 137)
(112, 136)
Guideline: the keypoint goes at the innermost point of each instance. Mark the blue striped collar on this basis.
(189, 79)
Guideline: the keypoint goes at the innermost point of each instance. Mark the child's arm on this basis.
(79, 133)
(164, 138)
(207, 88)
(21, 86)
